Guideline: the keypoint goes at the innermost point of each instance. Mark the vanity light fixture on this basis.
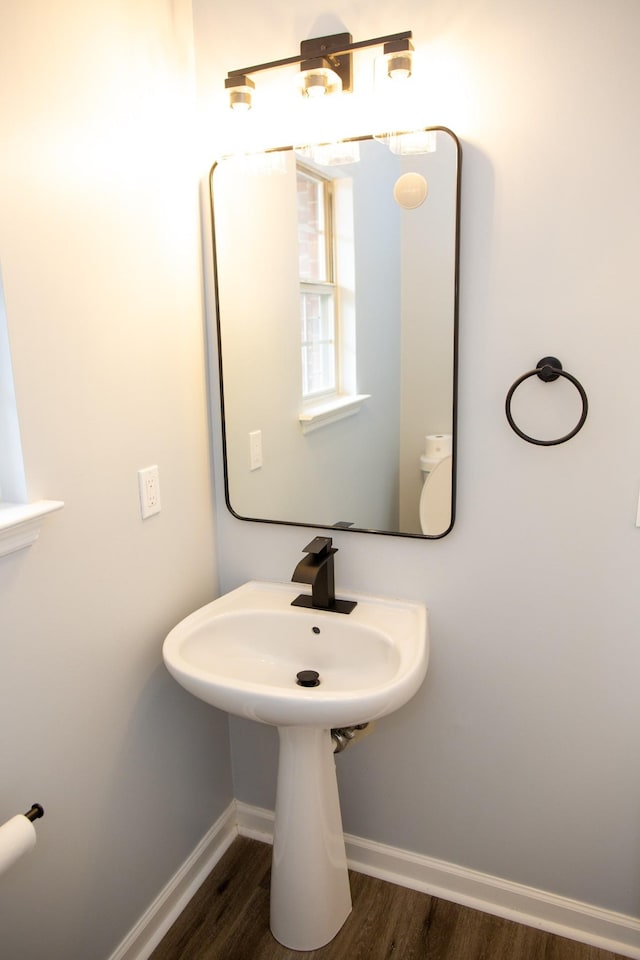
(325, 65)
(399, 57)
(240, 92)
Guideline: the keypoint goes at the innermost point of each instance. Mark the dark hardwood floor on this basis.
(228, 919)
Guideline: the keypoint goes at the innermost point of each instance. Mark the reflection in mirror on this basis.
(336, 293)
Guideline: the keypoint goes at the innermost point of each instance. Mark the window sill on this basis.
(20, 523)
(322, 414)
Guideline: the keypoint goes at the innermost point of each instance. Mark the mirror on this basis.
(336, 291)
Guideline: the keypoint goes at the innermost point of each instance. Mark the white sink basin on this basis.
(242, 653)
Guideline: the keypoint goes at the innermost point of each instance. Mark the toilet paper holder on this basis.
(18, 836)
(37, 811)
(547, 369)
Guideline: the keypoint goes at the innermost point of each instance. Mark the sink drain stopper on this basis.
(308, 678)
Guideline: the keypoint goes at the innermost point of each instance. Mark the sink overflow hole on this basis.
(316, 629)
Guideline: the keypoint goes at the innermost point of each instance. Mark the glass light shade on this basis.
(240, 100)
(335, 154)
(240, 92)
(399, 65)
(398, 58)
(409, 143)
(414, 142)
(318, 80)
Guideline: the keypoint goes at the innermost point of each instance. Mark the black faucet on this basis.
(317, 569)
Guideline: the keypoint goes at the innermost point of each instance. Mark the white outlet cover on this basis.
(149, 489)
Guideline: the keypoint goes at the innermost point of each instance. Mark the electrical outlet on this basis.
(255, 449)
(149, 487)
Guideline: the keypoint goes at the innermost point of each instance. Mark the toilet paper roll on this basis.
(438, 445)
(17, 837)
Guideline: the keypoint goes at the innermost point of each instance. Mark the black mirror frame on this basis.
(454, 405)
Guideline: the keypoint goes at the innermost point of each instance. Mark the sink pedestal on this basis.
(310, 894)
(242, 653)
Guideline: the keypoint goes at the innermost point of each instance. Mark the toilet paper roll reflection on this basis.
(438, 445)
(17, 837)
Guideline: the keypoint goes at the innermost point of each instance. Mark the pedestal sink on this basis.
(242, 653)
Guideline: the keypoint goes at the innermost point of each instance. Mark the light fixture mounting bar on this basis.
(243, 71)
(334, 45)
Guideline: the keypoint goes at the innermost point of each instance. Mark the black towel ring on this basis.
(548, 369)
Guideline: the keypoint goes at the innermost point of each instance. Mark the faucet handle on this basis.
(320, 547)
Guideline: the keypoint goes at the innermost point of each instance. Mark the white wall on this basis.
(428, 309)
(519, 755)
(99, 244)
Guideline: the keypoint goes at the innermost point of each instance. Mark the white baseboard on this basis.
(255, 822)
(169, 904)
(535, 908)
(513, 901)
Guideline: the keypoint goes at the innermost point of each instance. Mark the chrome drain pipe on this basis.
(343, 736)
